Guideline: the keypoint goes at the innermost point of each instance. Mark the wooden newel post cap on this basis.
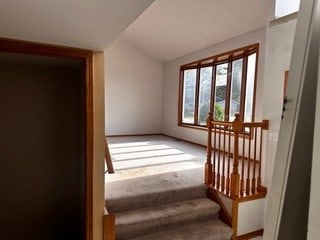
(237, 124)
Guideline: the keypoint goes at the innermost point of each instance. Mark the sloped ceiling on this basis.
(90, 24)
(167, 29)
(172, 28)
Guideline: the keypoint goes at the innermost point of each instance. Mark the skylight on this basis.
(285, 7)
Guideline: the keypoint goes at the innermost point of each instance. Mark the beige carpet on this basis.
(158, 180)
(147, 166)
(141, 156)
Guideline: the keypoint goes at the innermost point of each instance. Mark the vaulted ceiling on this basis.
(172, 28)
(91, 24)
(165, 29)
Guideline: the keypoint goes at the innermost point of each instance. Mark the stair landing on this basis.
(157, 191)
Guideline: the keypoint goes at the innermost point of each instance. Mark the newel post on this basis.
(235, 177)
(208, 166)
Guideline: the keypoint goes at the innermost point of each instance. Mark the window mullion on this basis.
(243, 86)
(181, 92)
(196, 104)
(227, 101)
(213, 88)
(255, 86)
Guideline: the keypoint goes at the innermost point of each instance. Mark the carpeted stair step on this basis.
(151, 191)
(148, 220)
(206, 230)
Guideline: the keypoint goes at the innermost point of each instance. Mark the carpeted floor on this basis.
(152, 172)
(142, 156)
(147, 166)
(157, 191)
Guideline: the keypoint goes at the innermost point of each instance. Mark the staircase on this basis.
(165, 206)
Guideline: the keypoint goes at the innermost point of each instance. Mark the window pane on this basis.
(285, 7)
(235, 92)
(189, 90)
(204, 94)
(251, 70)
(220, 93)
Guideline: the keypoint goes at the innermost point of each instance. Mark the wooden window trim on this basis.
(31, 48)
(243, 85)
(240, 53)
(227, 101)
(196, 104)
(248, 48)
(255, 86)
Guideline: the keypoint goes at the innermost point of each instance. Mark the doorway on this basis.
(46, 141)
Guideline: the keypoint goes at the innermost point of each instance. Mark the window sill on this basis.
(283, 19)
(203, 128)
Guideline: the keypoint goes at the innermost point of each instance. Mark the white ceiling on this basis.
(172, 28)
(91, 24)
(166, 30)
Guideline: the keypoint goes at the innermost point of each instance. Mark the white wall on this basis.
(133, 90)
(171, 83)
(250, 216)
(279, 45)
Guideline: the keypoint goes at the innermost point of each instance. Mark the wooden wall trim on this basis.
(89, 146)
(26, 47)
(32, 48)
(109, 230)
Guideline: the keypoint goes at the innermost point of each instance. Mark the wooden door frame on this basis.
(31, 48)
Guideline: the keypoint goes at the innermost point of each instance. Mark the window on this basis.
(189, 94)
(285, 7)
(223, 84)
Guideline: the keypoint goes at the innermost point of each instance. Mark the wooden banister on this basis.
(107, 157)
(234, 156)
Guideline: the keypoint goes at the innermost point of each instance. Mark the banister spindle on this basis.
(228, 166)
(214, 167)
(208, 166)
(253, 183)
(260, 162)
(223, 177)
(243, 163)
(248, 182)
(236, 125)
(218, 170)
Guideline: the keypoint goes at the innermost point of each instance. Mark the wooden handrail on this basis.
(222, 123)
(233, 165)
(107, 157)
(264, 124)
